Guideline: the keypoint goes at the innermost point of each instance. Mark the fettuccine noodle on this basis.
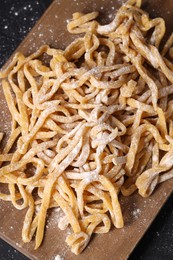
(95, 121)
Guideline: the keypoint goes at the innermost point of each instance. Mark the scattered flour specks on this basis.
(59, 257)
(136, 213)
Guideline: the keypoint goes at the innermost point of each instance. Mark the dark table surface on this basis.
(16, 19)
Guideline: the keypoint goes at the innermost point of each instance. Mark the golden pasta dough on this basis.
(95, 122)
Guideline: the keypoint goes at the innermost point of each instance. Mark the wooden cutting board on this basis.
(138, 212)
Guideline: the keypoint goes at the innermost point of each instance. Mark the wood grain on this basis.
(138, 212)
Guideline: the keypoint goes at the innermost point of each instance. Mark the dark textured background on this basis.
(16, 19)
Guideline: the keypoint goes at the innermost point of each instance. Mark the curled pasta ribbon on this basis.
(89, 122)
(78, 242)
(82, 22)
(1, 136)
(150, 177)
(135, 141)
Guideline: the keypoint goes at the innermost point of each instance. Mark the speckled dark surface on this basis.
(16, 20)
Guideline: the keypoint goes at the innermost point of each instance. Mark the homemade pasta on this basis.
(94, 121)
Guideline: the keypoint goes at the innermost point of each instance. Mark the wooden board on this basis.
(138, 212)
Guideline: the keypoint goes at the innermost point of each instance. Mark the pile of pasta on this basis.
(91, 122)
